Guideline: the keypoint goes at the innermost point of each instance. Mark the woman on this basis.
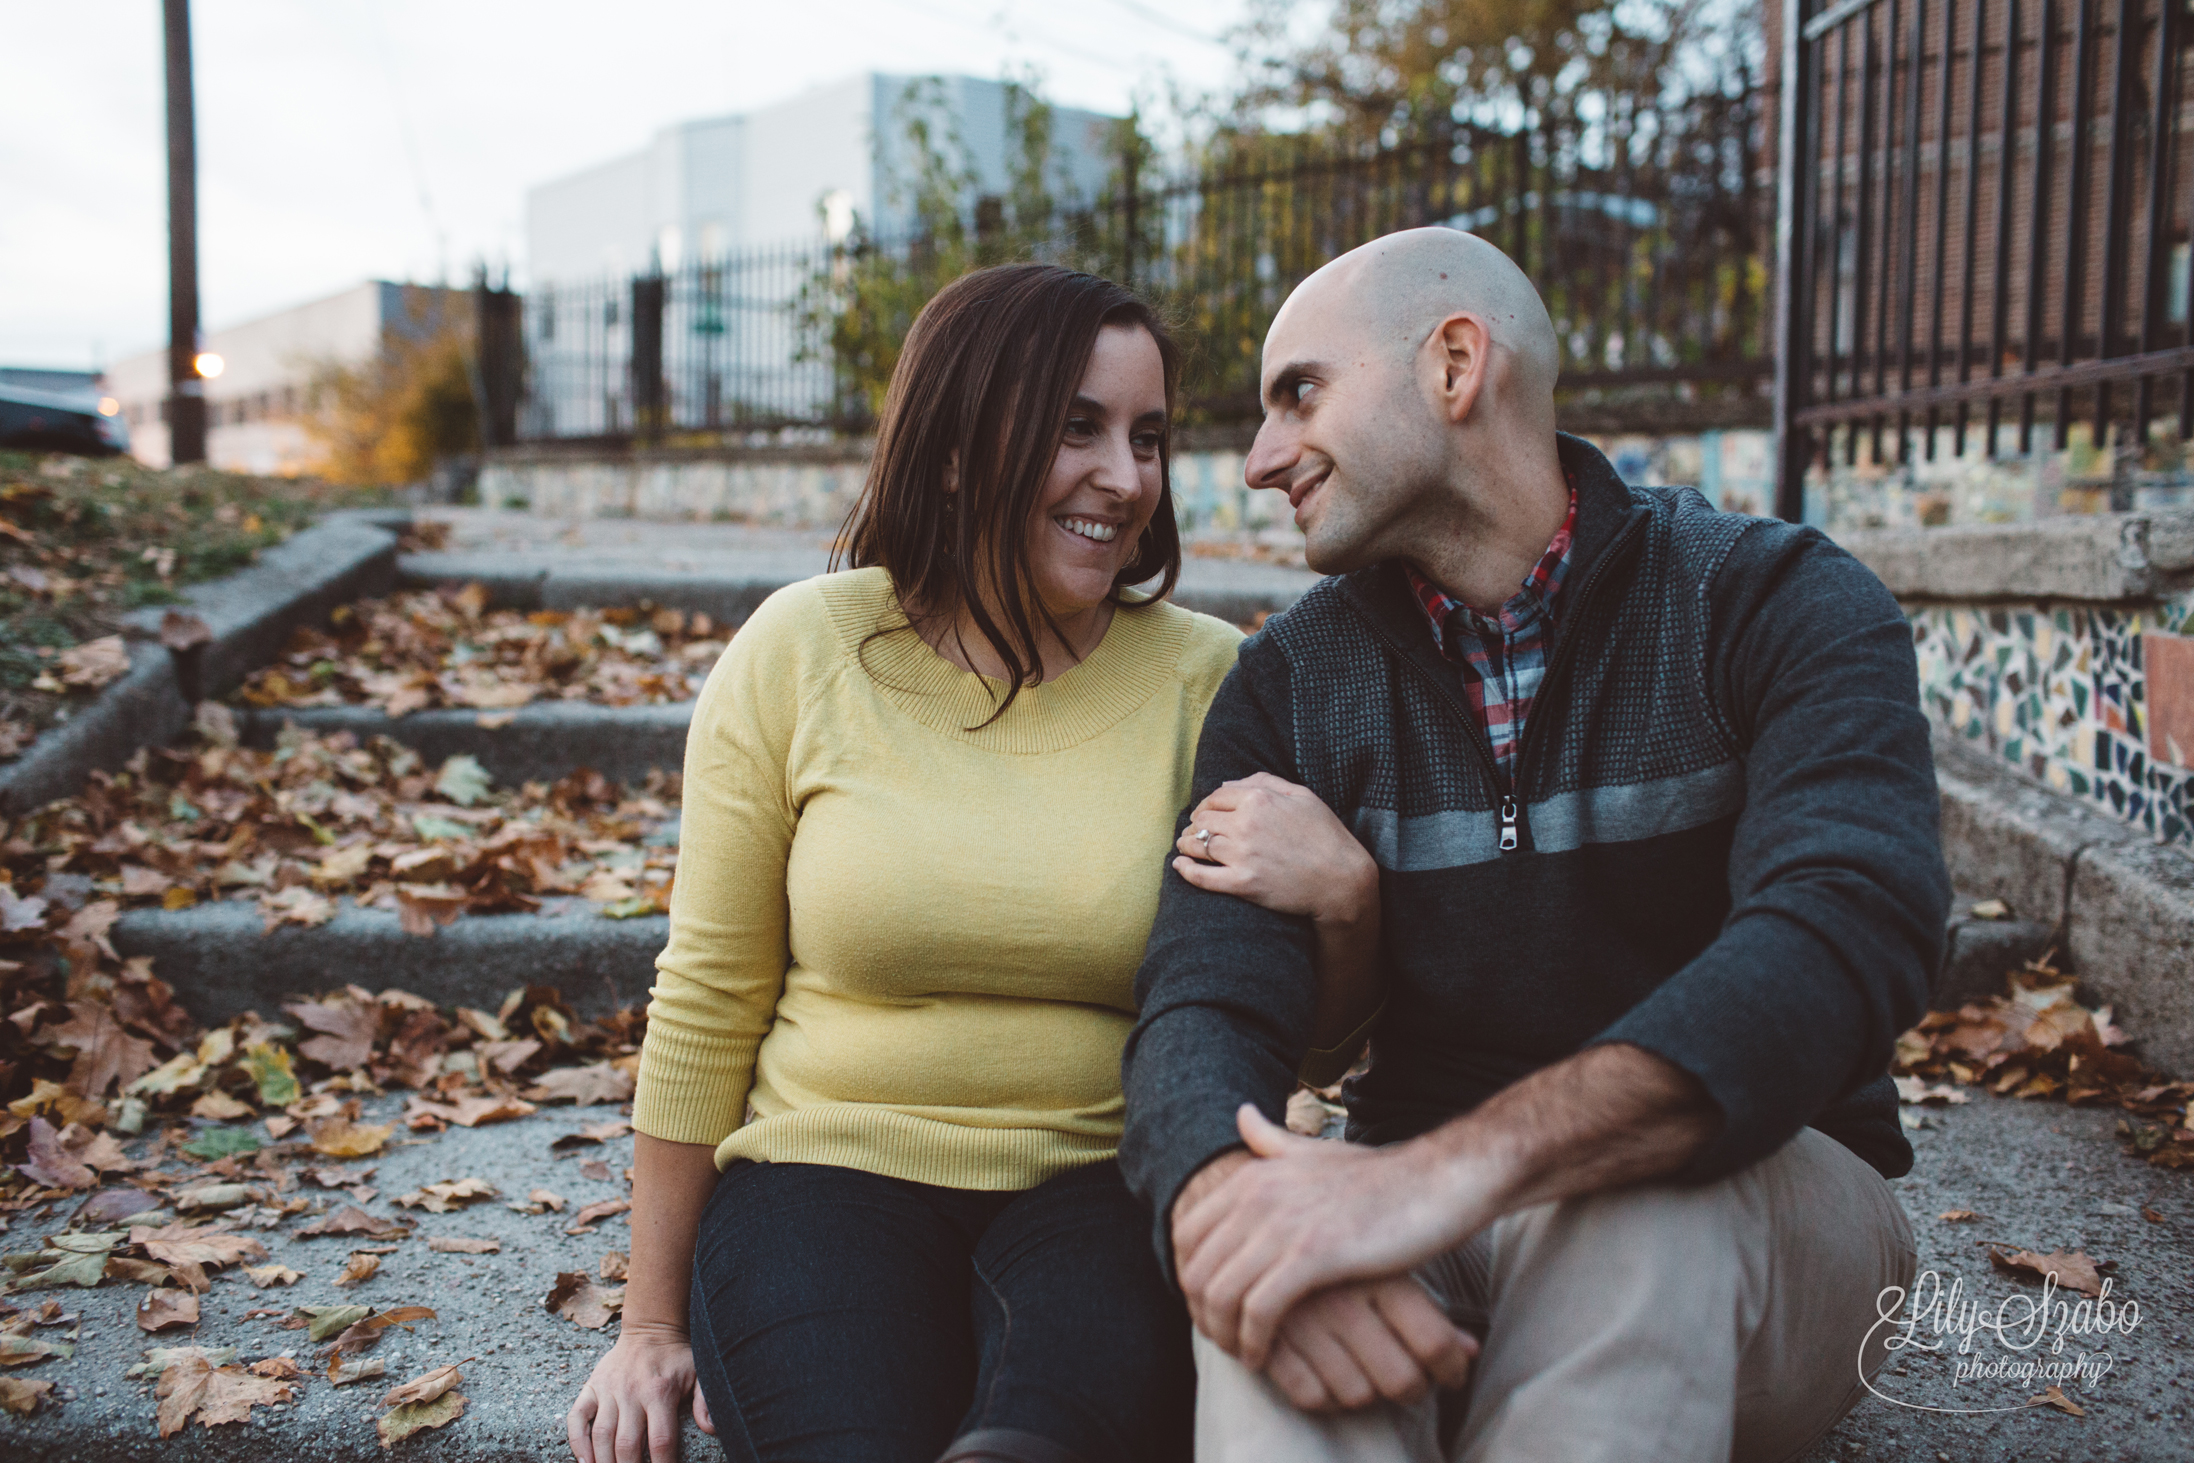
(926, 807)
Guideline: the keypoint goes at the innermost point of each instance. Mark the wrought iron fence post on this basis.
(647, 359)
(498, 326)
(1793, 333)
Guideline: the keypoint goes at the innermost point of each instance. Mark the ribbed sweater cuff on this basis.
(692, 1088)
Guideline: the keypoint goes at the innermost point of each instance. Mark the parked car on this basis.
(37, 420)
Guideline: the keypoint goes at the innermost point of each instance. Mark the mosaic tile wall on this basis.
(2059, 693)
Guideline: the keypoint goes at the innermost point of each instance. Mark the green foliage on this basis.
(389, 420)
(856, 312)
(216, 1143)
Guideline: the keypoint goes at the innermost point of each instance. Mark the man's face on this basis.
(1348, 434)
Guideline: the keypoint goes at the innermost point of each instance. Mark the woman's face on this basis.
(1104, 484)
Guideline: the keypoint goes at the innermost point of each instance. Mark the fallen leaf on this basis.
(614, 1265)
(358, 1269)
(350, 1219)
(107, 1055)
(217, 1143)
(441, 1198)
(321, 1322)
(161, 1309)
(2056, 1398)
(111, 1206)
(449, 1244)
(343, 1370)
(587, 1086)
(361, 1334)
(2073, 1269)
(541, 1201)
(192, 1249)
(22, 1396)
(95, 662)
(295, 906)
(463, 781)
(597, 1133)
(425, 1387)
(1991, 909)
(339, 1137)
(349, 1029)
(470, 1112)
(421, 909)
(584, 1221)
(583, 1303)
(26, 1350)
(401, 1422)
(280, 1125)
(2151, 1215)
(215, 1395)
(1958, 1216)
(281, 1368)
(1914, 1090)
(264, 1276)
(596, 1170)
(219, 1107)
(214, 1197)
(51, 1164)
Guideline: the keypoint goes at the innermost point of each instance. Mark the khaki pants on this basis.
(1692, 1324)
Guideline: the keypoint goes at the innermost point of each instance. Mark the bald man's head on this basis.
(1396, 290)
(1418, 366)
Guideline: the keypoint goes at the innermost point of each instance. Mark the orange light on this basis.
(108, 406)
(209, 365)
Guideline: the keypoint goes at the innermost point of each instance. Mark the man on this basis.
(1651, 799)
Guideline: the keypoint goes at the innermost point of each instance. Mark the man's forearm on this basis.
(1605, 1118)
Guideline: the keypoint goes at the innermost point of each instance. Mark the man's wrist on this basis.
(1213, 1173)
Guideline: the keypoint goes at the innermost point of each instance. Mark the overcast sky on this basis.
(394, 138)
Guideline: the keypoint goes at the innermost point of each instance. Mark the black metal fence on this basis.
(1987, 216)
(1650, 244)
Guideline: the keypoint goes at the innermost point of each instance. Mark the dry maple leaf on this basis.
(343, 1370)
(106, 1054)
(427, 1386)
(339, 1137)
(2056, 1398)
(450, 1244)
(363, 1333)
(190, 1386)
(595, 1133)
(95, 662)
(586, 1086)
(469, 1112)
(615, 1264)
(583, 1303)
(2073, 1269)
(400, 1423)
(351, 1028)
(295, 906)
(584, 1221)
(192, 1249)
(264, 1276)
(161, 1309)
(451, 1194)
(50, 1163)
(421, 909)
(357, 1270)
(281, 1368)
(1958, 1216)
(350, 1219)
(22, 1396)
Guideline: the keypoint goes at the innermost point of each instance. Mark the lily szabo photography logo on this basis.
(2003, 1352)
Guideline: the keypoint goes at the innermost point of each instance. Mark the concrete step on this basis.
(537, 743)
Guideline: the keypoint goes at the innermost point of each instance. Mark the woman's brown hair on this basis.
(986, 379)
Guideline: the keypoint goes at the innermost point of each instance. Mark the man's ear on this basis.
(1461, 348)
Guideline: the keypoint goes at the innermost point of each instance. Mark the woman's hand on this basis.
(628, 1410)
(1281, 848)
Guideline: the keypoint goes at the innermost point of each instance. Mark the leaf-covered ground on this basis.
(83, 542)
(317, 818)
(445, 649)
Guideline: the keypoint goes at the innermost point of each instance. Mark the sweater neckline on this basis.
(1138, 654)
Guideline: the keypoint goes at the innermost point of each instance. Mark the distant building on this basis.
(257, 408)
(784, 173)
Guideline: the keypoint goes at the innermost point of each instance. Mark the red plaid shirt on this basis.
(1502, 655)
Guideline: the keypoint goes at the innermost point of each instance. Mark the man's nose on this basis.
(1272, 457)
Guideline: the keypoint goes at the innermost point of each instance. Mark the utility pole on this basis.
(186, 391)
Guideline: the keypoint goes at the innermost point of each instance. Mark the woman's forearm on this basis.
(671, 1183)
(1348, 960)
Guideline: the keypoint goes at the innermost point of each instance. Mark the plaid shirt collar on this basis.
(1534, 598)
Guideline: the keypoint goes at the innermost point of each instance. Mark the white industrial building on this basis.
(256, 408)
(785, 173)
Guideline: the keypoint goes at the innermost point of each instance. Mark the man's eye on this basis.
(1299, 390)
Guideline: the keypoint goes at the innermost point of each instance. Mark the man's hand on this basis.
(1301, 1215)
(1351, 1345)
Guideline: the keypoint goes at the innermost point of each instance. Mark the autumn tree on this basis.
(390, 419)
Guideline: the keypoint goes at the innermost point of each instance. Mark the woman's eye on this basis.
(1079, 427)
(1147, 443)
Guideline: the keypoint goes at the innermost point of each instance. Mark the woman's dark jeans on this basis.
(842, 1317)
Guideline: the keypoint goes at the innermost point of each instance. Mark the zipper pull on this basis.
(1508, 825)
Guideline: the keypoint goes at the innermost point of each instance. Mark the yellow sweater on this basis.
(899, 945)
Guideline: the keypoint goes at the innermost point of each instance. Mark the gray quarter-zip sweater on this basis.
(1722, 847)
